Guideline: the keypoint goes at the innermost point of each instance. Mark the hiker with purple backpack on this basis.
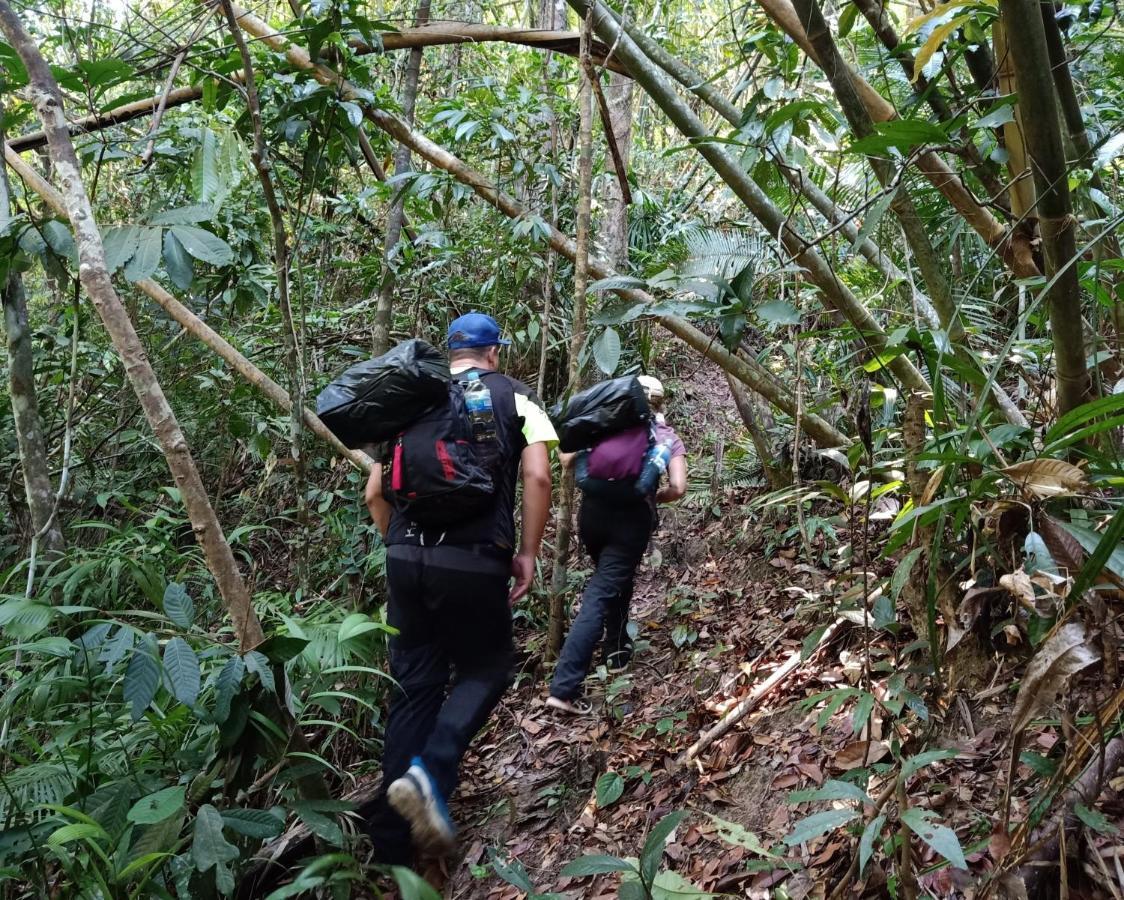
(619, 475)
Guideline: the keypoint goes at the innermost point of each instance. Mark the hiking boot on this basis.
(575, 707)
(414, 796)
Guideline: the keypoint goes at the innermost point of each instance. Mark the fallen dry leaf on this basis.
(1063, 654)
(1018, 583)
(1041, 478)
(999, 844)
(861, 753)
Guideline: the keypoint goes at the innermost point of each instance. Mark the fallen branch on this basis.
(743, 709)
(1084, 790)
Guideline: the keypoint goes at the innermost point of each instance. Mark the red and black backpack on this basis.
(434, 473)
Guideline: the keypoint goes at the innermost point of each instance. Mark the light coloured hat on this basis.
(653, 387)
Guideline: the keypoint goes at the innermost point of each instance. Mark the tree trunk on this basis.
(916, 235)
(743, 401)
(1021, 190)
(1055, 212)
(384, 312)
(293, 361)
(95, 279)
(25, 404)
(563, 523)
(752, 375)
(731, 171)
(618, 95)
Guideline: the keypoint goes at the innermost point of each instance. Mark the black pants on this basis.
(452, 660)
(615, 535)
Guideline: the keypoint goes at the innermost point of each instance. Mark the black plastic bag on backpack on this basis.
(375, 400)
(599, 411)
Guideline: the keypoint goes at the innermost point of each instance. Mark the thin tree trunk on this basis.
(293, 362)
(731, 171)
(752, 376)
(196, 326)
(1021, 190)
(916, 235)
(384, 311)
(547, 20)
(1055, 212)
(930, 164)
(1075, 125)
(563, 523)
(95, 279)
(746, 408)
(618, 97)
(25, 404)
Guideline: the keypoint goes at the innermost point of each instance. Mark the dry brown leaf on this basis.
(1063, 546)
(1041, 478)
(1019, 584)
(1064, 654)
(999, 844)
(861, 753)
(931, 486)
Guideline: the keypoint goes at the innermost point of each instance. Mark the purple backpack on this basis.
(620, 456)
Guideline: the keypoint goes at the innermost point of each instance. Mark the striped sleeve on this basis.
(537, 427)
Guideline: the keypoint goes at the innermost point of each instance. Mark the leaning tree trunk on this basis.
(747, 409)
(44, 91)
(750, 373)
(563, 523)
(618, 96)
(1055, 212)
(384, 312)
(293, 362)
(25, 405)
(730, 170)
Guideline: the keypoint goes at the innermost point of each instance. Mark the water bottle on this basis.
(655, 464)
(478, 405)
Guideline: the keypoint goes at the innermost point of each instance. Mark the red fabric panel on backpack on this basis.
(620, 456)
(446, 462)
(396, 474)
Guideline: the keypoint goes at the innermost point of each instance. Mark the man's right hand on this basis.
(523, 571)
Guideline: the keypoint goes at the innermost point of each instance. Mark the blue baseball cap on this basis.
(475, 329)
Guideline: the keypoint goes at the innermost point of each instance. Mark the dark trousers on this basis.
(615, 535)
(452, 661)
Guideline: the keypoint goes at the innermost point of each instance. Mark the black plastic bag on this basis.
(375, 399)
(597, 412)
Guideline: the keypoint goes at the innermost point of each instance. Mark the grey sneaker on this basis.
(414, 796)
(576, 707)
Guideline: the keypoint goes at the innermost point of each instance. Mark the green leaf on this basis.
(319, 824)
(862, 712)
(280, 648)
(258, 663)
(178, 606)
(77, 831)
(778, 312)
(227, 685)
(354, 113)
(208, 846)
(177, 262)
(147, 256)
(412, 886)
(942, 839)
(817, 824)
(915, 764)
(157, 807)
(866, 842)
(260, 824)
(142, 676)
(873, 216)
(1094, 819)
(120, 243)
(904, 572)
(607, 351)
(831, 790)
(181, 671)
(847, 20)
(596, 864)
(157, 838)
(733, 833)
(653, 847)
(59, 239)
(204, 167)
(1107, 552)
(902, 134)
(185, 215)
(203, 245)
(609, 788)
(355, 625)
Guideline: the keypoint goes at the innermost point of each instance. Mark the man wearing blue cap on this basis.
(450, 602)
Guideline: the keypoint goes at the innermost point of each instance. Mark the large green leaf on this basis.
(203, 245)
(204, 167)
(607, 351)
(142, 676)
(208, 846)
(147, 255)
(941, 838)
(226, 688)
(178, 606)
(181, 671)
(120, 243)
(653, 847)
(177, 262)
(185, 215)
(258, 663)
(866, 842)
(831, 790)
(817, 824)
(597, 864)
(412, 886)
(609, 788)
(260, 824)
(159, 806)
